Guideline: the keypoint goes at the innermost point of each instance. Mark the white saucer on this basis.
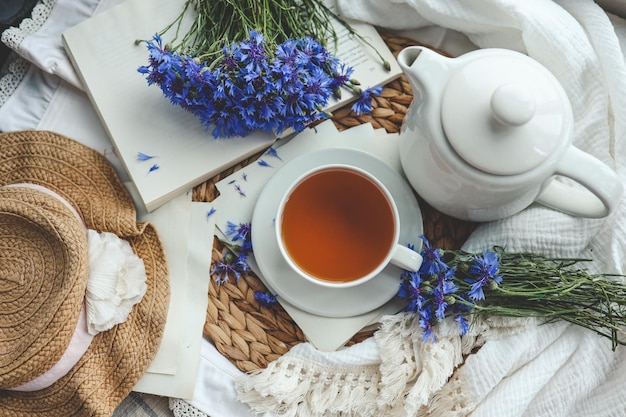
(324, 301)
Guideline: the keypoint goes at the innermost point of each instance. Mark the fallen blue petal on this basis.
(240, 191)
(143, 157)
(273, 152)
(265, 298)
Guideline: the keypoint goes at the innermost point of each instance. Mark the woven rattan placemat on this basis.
(251, 335)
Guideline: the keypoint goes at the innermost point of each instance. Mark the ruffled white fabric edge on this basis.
(14, 36)
(15, 72)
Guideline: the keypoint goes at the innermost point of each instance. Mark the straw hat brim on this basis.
(117, 358)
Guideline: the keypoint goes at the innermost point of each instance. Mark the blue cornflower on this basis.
(229, 59)
(433, 293)
(426, 323)
(364, 103)
(476, 291)
(486, 266)
(432, 264)
(313, 53)
(410, 289)
(250, 87)
(286, 54)
(483, 272)
(342, 75)
(317, 88)
(238, 232)
(157, 54)
(265, 298)
(463, 323)
(159, 59)
(444, 288)
(226, 267)
(252, 51)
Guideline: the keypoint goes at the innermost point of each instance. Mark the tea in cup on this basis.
(337, 225)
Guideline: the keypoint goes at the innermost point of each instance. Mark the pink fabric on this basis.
(50, 193)
(81, 339)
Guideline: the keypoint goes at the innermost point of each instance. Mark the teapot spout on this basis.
(426, 70)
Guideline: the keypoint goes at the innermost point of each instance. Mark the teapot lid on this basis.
(504, 113)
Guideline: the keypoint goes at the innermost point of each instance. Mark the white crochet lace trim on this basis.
(14, 36)
(413, 378)
(182, 408)
(15, 73)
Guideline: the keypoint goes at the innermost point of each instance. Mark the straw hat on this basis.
(44, 265)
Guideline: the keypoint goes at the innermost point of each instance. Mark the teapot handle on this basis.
(603, 188)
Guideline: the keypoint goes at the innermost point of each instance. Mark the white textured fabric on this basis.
(38, 38)
(214, 394)
(44, 101)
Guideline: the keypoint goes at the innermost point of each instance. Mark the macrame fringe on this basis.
(399, 364)
(413, 377)
(426, 366)
(451, 400)
(292, 386)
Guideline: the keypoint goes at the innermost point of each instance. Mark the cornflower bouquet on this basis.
(248, 65)
(454, 283)
(496, 282)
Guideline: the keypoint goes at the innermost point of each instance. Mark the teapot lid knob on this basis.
(512, 105)
(504, 113)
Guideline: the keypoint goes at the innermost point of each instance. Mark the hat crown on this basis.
(44, 272)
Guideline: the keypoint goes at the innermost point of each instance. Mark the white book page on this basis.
(187, 234)
(368, 67)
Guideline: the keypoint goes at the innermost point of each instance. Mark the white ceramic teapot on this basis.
(487, 134)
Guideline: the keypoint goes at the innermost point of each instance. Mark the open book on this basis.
(139, 119)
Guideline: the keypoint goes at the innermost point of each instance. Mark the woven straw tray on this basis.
(251, 335)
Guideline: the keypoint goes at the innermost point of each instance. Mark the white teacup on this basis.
(338, 226)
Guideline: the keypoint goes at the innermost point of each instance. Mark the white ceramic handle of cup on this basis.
(603, 188)
(406, 258)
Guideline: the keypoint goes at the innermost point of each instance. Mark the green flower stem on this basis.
(352, 32)
(552, 289)
(218, 23)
